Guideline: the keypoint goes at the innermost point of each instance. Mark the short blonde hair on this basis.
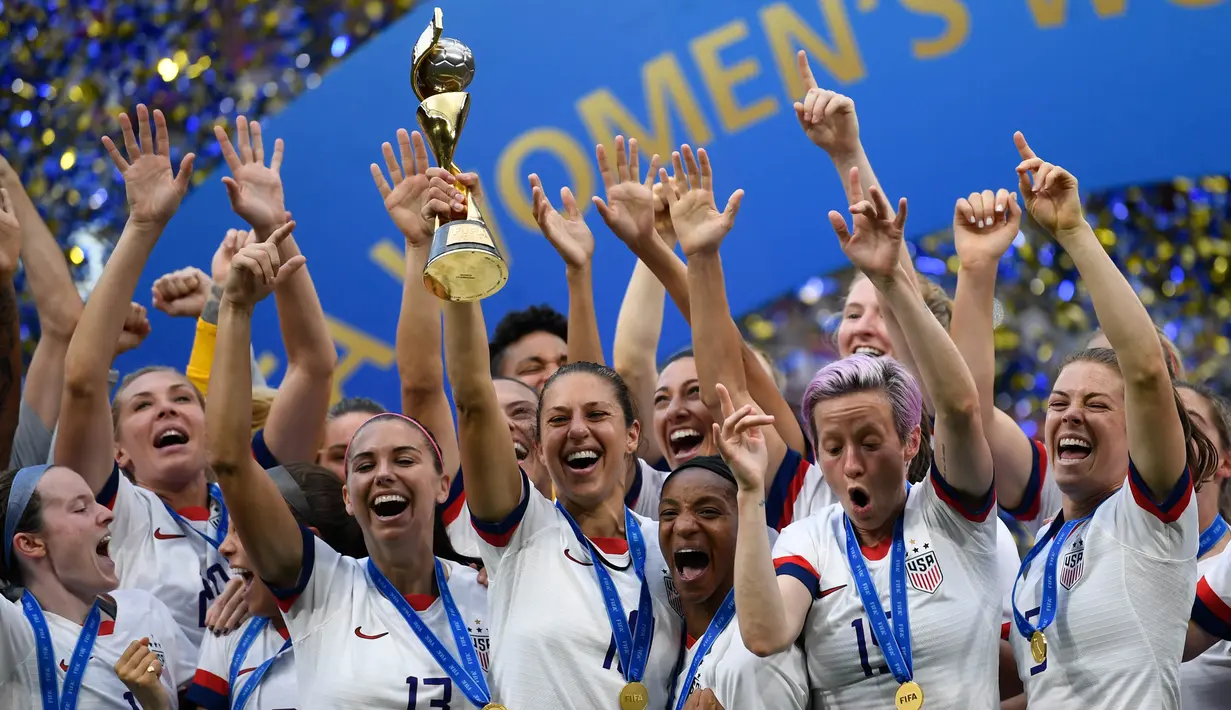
(262, 402)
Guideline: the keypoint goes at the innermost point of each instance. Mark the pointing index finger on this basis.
(1023, 148)
(805, 71)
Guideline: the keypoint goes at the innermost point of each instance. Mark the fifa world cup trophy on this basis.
(464, 263)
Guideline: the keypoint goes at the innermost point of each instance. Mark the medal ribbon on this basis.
(633, 645)
(215, 494)
(895, 642)
(53, 699)
(718, 624)
(237, 662)
(1047, 606)
(468, 674)
(1211, 535)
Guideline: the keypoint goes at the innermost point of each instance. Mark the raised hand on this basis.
(567, 232)
(229, 611)
(182, 293)
(234, 240)
(827, 117)
(877, 239)
(662, 214)
(984, 225)
(699, 226)
(405, 199)
(629, 209)
(258, 268)
(141, 672)
(741, 442)
(136, 329)
(154, 193)
(1053, 199)
(255, 190)
(10, 235)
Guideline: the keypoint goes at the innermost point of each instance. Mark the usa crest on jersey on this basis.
(1072, 564)
(481, 638)
(923, 572)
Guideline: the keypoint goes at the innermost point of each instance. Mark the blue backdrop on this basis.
(1117, 93)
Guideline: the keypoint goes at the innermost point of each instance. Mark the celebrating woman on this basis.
(698, 524)
(263, 647)
(144, 454)
(61, 641)
(1086, 630)
(912, 567)
(579, 603)
(402, 614)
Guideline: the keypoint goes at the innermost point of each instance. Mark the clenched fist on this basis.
(182, 293)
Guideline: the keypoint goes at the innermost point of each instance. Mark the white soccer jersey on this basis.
(953, 596)
(354, 650)
(1042, 498)
(154, 552)
(138, 615)
(1125, 592)
(211, 685)
(1008, 562)
(455, 515)
(798, 490)
(742, 680)
(1205, 680)
(643, 496)
(554, 647)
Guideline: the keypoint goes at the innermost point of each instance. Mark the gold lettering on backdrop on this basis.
(1053, 13)
(721, 79)
(1197, 3)
(787, 33)
(957, 27)
(357, 349)
(390, 257)
(266, 363)
(663, 80)
(511, 176)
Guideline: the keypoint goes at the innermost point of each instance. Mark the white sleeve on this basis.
(211, 686)
(1212, 609)
(797, 554)
(944, 508)
(16, 642)
(501, 538)
(180, 652)
(1165, 530)
(325, 579)
(1008, 563)
(778, 682)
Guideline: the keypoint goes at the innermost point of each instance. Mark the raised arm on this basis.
(771, 609)
(493, 479)
(984, 226)
(264, 521)
(55, 298)
(10, 325)
(420, 366)
(1156, 441)
(85, 441)
(629, 213)
(875, 246)
(297, 416)
(573, 241)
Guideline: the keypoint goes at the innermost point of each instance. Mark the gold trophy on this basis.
(464, 263)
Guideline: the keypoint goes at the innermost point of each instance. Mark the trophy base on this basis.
(464, 264)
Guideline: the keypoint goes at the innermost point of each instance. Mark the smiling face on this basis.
(260, 600)
(682, 422)
(339, 431)
(1204, 416)
(864, 461)
(74, 539)
(160, 430)
(584, 439)
(519, 403)
(394, 482)
(862, 329)
(698, 522)
(1085, 429)
(534, 358)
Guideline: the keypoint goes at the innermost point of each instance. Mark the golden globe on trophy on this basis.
(464, 263)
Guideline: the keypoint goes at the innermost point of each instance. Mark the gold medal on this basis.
(634, 696)
(1038, 647)
(909, 697)
(494, 706)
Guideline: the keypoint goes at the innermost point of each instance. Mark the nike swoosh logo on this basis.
(160, 535)
(362, 635)
(574, 559)
(831, 590)
(64, 667)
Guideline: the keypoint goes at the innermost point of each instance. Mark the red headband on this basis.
(426, 434)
